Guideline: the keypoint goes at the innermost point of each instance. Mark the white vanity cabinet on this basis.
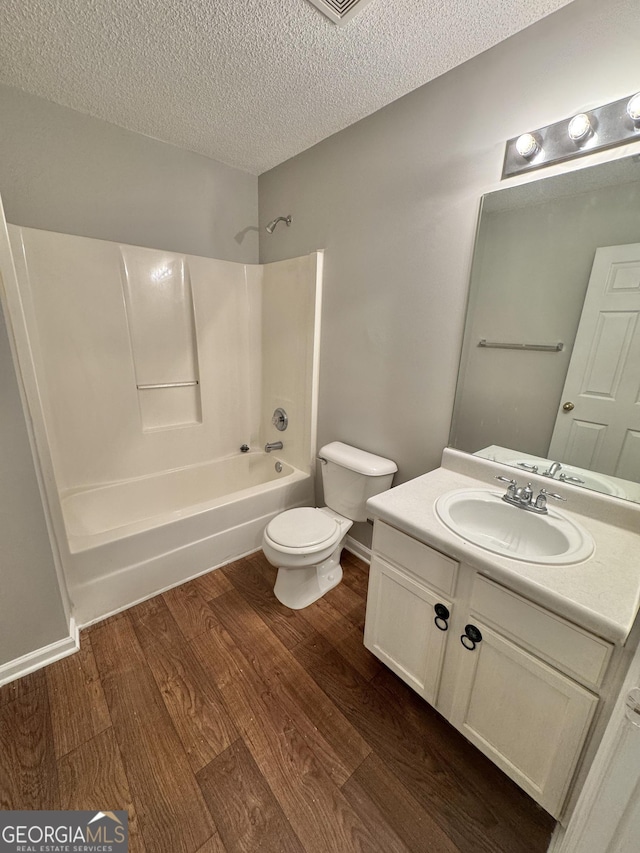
(513, 698)
(409, 608)
(519, 682)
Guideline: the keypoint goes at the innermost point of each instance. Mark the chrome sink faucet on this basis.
(517, 495)
(522, 496)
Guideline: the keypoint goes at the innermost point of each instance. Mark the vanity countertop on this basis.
(601, 594)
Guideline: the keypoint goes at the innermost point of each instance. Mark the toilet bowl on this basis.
(305, 543)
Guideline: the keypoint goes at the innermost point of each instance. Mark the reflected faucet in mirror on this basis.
(553, 469)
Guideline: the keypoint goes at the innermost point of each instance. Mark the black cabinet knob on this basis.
(473, 633)
(471, 637)
(442, 614)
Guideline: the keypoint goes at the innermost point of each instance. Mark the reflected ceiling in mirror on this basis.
(557, 261)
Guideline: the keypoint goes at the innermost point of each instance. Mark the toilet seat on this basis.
(302, 528)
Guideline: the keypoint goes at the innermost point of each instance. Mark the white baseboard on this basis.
(32, 661)
(354, 547)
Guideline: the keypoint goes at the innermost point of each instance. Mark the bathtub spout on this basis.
(273, 445)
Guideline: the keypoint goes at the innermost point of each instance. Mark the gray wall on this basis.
(31, 612)
(394, 201)
(64, 171)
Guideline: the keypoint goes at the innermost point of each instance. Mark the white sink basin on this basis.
(481, 516)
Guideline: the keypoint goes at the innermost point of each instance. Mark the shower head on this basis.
(271, 226)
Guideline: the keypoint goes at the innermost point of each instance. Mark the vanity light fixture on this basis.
(603, 127)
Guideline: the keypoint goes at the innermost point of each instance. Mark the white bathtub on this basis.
(131, 539)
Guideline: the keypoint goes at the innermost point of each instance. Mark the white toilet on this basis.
(305, 543)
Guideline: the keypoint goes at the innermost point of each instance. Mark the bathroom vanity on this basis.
(523, 657)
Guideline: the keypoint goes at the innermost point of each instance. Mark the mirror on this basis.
(557, 377)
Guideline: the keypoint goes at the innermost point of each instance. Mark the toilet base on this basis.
(298, 588)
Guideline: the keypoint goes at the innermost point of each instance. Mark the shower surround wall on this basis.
(150, 480)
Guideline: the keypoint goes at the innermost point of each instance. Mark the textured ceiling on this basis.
(247, 82)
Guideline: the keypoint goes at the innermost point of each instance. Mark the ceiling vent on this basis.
(340, 11)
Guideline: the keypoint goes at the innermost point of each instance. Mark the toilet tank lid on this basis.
(357, 460)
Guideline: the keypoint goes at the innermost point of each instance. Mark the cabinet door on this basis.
(400, 627)
(527, 717)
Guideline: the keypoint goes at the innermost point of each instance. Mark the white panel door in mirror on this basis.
(598, 423)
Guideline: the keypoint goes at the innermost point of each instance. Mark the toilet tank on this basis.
(351, 476)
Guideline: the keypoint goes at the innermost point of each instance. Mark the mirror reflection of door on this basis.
(598, 422)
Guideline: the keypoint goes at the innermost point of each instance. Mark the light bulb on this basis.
(580, 127)
(633, 109)
(527, 146)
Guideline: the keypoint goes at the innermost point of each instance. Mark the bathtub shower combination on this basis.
(152, 371)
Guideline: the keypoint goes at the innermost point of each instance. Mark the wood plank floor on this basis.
(222, 721)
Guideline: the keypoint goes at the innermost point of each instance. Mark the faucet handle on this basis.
(566, 478)
(552, 495)
(540, 503)
(511, 489)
